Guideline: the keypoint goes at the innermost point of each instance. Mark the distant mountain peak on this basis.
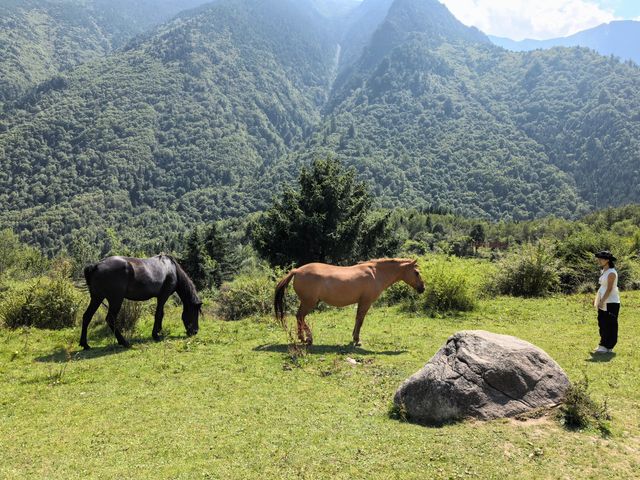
(620, 38)
(433, 17)
(428, 18)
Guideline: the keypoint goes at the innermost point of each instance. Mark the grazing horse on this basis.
(117, 278)
(341, 286)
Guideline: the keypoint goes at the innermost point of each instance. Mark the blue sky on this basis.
(540, 19)
(623, 8)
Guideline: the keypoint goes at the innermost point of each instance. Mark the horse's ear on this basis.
(414, 261)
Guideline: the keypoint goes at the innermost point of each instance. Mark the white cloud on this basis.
(539, 19)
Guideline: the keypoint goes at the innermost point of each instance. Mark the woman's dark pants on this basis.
(608, 324)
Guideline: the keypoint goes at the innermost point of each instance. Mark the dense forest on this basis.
(207, 116)
(41, 38)
(172, 127)
(451, 120)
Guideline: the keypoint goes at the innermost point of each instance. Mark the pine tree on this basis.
(478, 235)
(195, 260)
(325, 220)
(219, 248)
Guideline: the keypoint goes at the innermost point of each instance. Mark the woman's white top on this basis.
(614, 295)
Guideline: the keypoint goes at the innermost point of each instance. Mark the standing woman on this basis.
(607, 302)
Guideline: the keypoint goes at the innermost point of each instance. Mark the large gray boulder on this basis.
(482, 375)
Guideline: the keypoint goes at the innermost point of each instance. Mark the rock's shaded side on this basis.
(482, 375)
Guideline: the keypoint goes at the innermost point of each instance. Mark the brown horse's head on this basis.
(411, 276)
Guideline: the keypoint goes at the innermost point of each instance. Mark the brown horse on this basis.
(341, 286)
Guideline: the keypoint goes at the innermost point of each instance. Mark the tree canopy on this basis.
(326, 219)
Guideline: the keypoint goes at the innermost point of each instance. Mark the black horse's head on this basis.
(191, 303)
(190, 316)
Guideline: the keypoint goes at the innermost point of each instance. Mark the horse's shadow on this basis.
(62, 355)
(324, 349)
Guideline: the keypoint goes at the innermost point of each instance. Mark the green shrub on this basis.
(531, 271)
(634, 268)
(579, 266)
(245, 296)
(451, 285)
(251, 294)
(51, 303)
(17, 260)
(580, 411)
(397, 293)
(129, 315)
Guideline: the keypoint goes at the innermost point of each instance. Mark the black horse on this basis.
(117, 278)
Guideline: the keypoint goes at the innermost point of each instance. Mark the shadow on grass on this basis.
(399, 414)
(62, 355)
(324, 349)
(601, 357)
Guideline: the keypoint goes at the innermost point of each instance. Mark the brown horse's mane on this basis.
(387, 260)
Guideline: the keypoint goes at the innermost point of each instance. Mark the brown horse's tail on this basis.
(278, 299)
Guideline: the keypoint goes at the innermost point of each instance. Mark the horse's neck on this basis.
(184, 296)
(387, 274)
(183, 291)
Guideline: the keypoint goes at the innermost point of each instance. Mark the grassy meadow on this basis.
(231, 403)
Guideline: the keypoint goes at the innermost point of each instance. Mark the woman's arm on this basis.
(610, 279)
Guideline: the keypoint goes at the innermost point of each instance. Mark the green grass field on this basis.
(230, 403)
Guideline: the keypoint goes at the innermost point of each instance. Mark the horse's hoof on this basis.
(125, 345)
(308, 342)
(158, 338)
(85, 346)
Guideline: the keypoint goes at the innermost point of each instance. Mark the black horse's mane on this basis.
(185, 286)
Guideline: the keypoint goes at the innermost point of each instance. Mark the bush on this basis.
(579, 410)
(451, 285)
(251, 294)
(51, 303)
(579, 267)
(397, 293)
(245, 296)
(532, 271)
(19, 260)
(128, 316)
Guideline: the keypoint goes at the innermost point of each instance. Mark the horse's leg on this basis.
(157, 324)
(112, 315)
(363, 308)
(309, 335)
(303, 311)
(299, 328)
(94, 304)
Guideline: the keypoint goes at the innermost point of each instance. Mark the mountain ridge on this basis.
(620, 38)
(210, 114)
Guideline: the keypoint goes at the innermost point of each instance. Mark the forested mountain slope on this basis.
(434, 114)
(210, 114)
(39, 38)
(184, 120)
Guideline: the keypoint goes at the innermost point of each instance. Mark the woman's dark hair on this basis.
(608, 256)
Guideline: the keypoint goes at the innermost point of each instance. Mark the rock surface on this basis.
(482, 375)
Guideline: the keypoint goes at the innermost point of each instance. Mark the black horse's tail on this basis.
(88, 273)
(278, 299)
